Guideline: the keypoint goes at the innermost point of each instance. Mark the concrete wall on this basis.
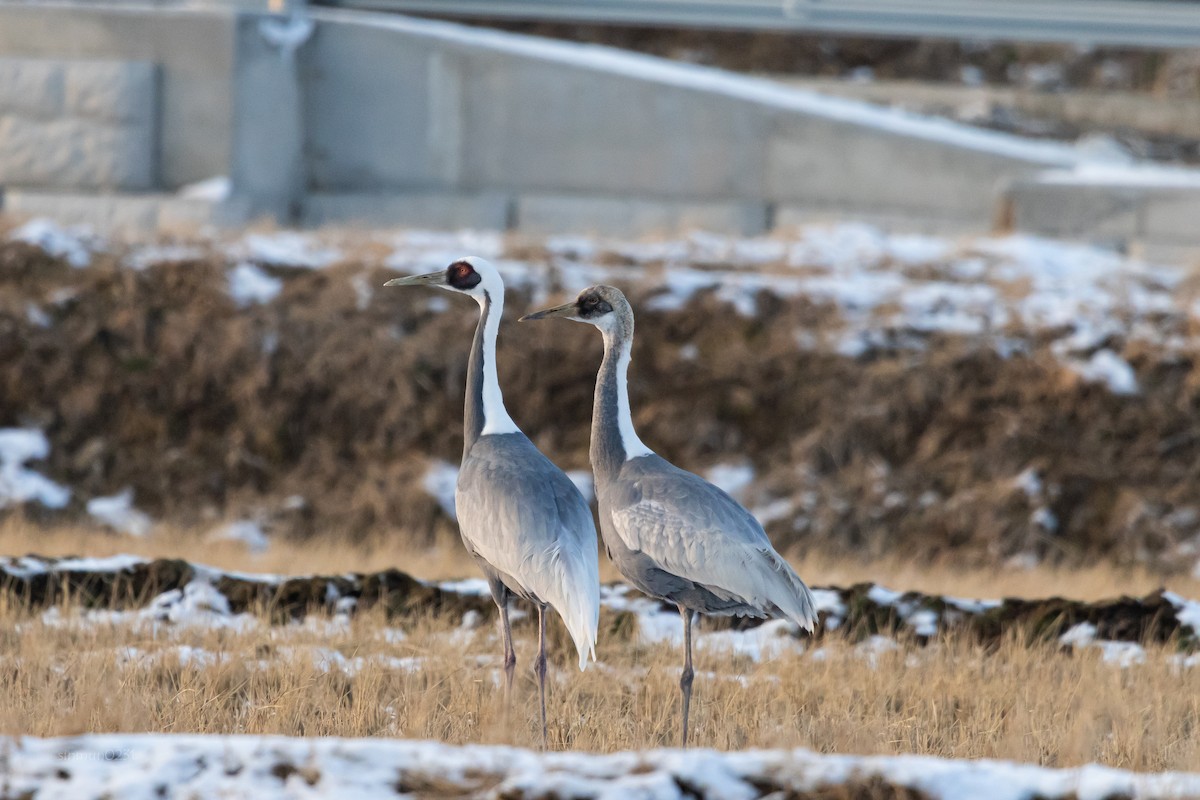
(352, 116)
(193, 52)
(1153, 221)
(78, 124)
(395, 105)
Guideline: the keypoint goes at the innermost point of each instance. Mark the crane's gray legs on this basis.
(685, 680)
(510, 655)
(539, 666)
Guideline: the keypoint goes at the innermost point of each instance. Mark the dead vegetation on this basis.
(435, 676)
(317, 416)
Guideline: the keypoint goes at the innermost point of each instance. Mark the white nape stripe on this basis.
(495, 415)
(629, 438)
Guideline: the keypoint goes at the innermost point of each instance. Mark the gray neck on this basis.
(614, 440)
(473, 419)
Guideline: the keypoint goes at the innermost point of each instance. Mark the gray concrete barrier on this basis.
(78, 124)
(347, 116)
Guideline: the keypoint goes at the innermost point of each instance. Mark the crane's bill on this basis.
(429, 279)
(567, 310)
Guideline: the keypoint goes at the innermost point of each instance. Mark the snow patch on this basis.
(19, 484)
(73, 245)
(251, 285)
(733, 479)
(117, 512)
(216, 189)
(193, 765)
(585, 483)
(1108, 368)
(440, 481)
(286, 249)
(243, 531)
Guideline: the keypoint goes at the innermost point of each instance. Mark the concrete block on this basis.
(1172, 217)
(1097, 213)
(485, 211)
(816, 161)
(622, 216)
(788, 218)
(31, 87)
(546, 127)
(74, 153)
(382, 113)
(110, 91)
(119, 213)
(193, 48)
(268, 144)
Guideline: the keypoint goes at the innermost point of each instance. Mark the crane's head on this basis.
(472, 275)
(600, 305)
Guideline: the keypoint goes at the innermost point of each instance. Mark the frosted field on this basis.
(336, 693)
(890, 293)
(199, 643)
(136, 766)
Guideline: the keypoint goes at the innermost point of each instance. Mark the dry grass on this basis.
(62, 673)
(1031, 704)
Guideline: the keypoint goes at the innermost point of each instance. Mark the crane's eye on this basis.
(463, 276)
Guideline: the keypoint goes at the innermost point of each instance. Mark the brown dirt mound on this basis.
(53, 582)
(320, 417)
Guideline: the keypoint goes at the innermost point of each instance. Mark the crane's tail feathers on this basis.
(793, 597)
(579, 602)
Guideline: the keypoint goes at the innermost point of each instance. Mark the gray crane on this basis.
(523, 520)
(672, 534)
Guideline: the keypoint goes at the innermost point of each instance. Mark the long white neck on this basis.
(495, 415)
(614, 440)
(629, 438)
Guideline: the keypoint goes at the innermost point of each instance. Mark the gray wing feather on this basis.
(692, 529)
(522, 515)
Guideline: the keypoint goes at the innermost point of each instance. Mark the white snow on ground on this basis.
(585, 483)
(322, 659)
(250, 285)
(74, 244)
(149, 255)
(1186, 611)
(1156, 176)
(286, 249)
(117, 512)
(199, 605)
(199, 766)
(416, 252)
(24, 566)
(19, 484)
(897, 291)
(215, 189)
(1123, 654)
(1108, 368)
(733, 479)
(245, 531)
(37, 317)
(1010, 293)
(439, 482)
(475, 586)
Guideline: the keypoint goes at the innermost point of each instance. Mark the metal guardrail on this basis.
(1135, 23)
